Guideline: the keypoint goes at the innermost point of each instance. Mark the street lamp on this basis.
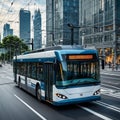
(31, 43)
(72, 32)
(16, 44)
(71, 26)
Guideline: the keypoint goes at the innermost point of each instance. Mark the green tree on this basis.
(13, 45)
(1, 45)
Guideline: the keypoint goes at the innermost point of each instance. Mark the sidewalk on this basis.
(111, 69)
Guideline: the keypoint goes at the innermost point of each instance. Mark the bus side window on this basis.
(22, 69)
(34, 70)
(29, 71)
(18, 68)
(39, 71)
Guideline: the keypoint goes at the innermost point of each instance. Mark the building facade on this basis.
(25, 25)
(60, 13)
(101, 27)
(7, 30)
(37, 41)
(97, 25)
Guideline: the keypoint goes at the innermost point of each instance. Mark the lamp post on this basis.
(31, 44)
(72, 32)
(71, 26)
(15, 65)
(16, 44)
(16, 53)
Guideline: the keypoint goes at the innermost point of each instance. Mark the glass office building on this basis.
(6, 30)
(100, 21)
(37, 41)
(60, 13)
(25, 25)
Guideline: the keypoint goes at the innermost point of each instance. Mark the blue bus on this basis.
(60, 75)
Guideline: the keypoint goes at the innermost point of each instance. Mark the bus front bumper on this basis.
(76, 101)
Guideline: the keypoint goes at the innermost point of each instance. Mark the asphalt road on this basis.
(16, 104)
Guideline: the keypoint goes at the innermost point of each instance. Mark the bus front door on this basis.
(48, 74)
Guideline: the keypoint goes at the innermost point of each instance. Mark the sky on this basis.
(9, 13)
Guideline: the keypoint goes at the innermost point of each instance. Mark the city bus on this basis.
(60, 75)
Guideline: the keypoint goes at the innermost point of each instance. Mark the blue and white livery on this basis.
(61, 75)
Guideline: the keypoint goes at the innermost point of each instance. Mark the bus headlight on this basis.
(96, 92)
(61, 96)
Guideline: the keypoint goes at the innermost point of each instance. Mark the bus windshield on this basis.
(79, 73)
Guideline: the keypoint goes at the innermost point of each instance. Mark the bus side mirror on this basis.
(103, 64)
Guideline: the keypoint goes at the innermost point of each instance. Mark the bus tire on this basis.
(38, 93)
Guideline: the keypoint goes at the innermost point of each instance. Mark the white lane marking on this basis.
(110, 92)
(95, 113)
(117, 80)
(107, 73)
(111, 86)
(107, 106)
(112, 95)
(43, 118)
(115, 96)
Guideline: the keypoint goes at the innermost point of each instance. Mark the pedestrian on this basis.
(109, 64)
(116, 66)
(113, 67)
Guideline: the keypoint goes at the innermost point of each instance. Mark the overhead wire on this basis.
(7, 12)
(18, 13)
(16, 17)
(24, 8)
(1, 3)
(7, 15)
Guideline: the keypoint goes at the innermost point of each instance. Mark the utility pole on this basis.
(72, 32)
(32, 44)
(71, 26)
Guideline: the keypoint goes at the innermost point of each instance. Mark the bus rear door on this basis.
(48, 77)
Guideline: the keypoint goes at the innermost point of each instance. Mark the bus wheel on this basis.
(38, 93)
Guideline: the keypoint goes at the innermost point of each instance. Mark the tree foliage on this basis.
(13, 45)
(15, 42)
(1, 45)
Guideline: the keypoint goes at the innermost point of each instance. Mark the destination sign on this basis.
(80, 57)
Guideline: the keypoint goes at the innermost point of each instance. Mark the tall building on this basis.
(60, 13)
(25, 25)
(101, 19)
(6, 30)
(37, 41)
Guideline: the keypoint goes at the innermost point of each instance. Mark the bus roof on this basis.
(53, 53)
(58, 47)
(44, 54)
